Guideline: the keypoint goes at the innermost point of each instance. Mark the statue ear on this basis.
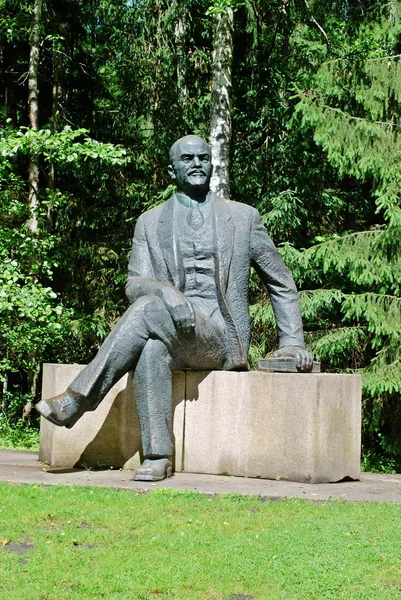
(171, 172)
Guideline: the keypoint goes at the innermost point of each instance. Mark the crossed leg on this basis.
(144, 340)
(146, 318)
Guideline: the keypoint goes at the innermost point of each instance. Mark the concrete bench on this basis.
(298, 427)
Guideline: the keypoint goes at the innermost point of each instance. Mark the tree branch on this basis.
(312, 18)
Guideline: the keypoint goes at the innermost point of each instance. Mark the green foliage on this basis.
(348, 96)
(31, 320)
(373, 463)
(284, 216)
(219, 6)
(71, 146)
(18, 435)
(35, 323)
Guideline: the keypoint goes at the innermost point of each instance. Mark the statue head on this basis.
(190, 165)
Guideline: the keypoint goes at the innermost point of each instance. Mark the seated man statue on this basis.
(188, 291)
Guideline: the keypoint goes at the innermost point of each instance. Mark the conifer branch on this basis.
(347, 236)
(389, 57)
(368, 60)
(355, 328)
(389, 124)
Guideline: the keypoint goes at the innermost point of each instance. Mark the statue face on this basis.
(191, 168)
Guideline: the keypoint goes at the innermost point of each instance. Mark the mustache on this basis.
(196, 171)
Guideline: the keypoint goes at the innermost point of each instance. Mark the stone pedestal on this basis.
(300, 427)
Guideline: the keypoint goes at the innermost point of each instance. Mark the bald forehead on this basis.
(189, 143)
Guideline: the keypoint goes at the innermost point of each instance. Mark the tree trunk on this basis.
(4, 393)
(56, 95)
(393, 13)
(33, 111)
(154, 116)
(33, 169)
(220, 135)
(8, 83)
(180, 35)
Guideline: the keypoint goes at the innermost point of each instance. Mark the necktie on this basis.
(195, 218)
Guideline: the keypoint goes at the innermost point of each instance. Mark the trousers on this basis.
(146, 341)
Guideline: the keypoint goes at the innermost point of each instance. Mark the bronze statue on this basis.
(187, 286)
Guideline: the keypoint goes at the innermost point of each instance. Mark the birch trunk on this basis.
(33, 111)
(56, 95)
(220, 135)
(180, 36)
(393, 13)
(33, 169)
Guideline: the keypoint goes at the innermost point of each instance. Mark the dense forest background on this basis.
(93, 94)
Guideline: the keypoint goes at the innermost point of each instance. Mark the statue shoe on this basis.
(154, 469)
(64, 409)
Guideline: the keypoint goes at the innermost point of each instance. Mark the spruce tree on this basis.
(350, 99)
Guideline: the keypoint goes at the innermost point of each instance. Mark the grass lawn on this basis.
(66, 543)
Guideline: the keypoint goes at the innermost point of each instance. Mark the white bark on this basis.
(220, 134)
(56, 95)
(33, 169)
(180, 35)
(33, 110)
(393, 12)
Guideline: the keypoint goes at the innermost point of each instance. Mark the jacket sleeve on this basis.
(141, 277)
(279, 283)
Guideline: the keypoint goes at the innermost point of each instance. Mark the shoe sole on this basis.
(166, 474)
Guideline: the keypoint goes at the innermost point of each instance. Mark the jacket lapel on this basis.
(168, 240)
(224, 238)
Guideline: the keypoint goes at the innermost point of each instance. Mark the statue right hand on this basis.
(180, 309)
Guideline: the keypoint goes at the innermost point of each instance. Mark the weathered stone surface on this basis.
(109, 436)
(292, 426)
(253, 424)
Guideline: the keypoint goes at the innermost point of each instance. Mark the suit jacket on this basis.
(241, 242)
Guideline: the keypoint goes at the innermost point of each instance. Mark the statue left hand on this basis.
(303, 358)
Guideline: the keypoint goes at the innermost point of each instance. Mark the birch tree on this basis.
(33, 110)
(220, 119)
(58, 27)
(180, 38)
(33, 169)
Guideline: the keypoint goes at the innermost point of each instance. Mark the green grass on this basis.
(18, 437)
(119, 545)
